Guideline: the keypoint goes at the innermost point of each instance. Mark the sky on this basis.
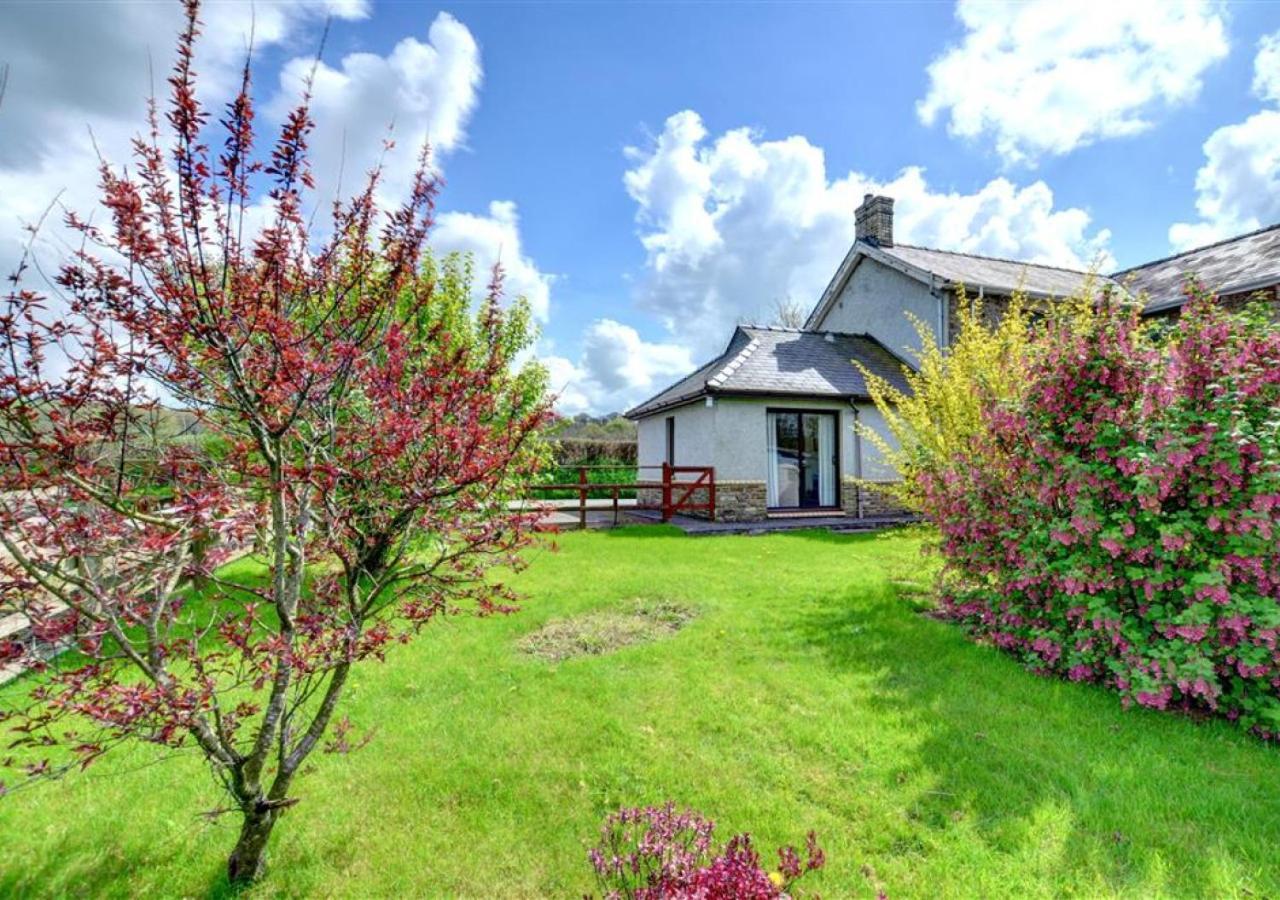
(649, 175)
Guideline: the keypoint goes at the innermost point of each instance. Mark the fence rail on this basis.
(676, 489)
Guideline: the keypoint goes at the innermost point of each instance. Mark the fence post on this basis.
(666, 492)
(582, 497)
(711, 471)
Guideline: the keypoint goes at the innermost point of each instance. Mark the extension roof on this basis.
(763, 361)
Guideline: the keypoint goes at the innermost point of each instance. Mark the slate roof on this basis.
(782, 362)
(1235, 265)
(992, 273)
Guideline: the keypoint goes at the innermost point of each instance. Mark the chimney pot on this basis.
(873, 220)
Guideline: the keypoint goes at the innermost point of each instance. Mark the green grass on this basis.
(806, 693)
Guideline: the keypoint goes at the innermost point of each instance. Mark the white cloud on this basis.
(1046, 77)
(73, 74)
(70, 74)
(1238, 187)
(491, 239)
(66, 71)
(1266, 68)
(733, 223)
(423, 91)
(617, 369)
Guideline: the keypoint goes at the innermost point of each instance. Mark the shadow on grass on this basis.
(1136, 795)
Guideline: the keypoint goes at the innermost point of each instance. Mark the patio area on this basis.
(697, 526)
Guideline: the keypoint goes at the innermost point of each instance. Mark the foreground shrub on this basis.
(657, 853)
(1118, 523)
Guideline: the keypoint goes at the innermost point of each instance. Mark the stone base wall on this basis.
(747, 501)
(741, 501)
(649, 498)
(870, 500)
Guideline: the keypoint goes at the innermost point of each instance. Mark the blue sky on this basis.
(665, 170)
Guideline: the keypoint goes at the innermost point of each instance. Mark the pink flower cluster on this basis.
(1119, 525)
(660, 853)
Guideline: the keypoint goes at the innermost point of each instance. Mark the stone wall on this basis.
(994, 306)
(1269, 296)
(741, 501)
(651, 498)
(747, 501)
(875, 500)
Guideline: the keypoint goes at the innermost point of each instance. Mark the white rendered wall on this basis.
(876, 300)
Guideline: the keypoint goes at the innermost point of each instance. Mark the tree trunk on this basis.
(248, 860)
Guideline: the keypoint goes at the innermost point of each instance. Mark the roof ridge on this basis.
(1003, 259)
(787, 329)
(734, 364)
(1173, 256)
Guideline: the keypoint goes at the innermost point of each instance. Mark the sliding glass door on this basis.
(802, 459)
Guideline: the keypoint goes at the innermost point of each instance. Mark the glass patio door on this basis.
(802, 460)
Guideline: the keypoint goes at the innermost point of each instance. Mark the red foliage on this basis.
(355, 420)
(659, 853)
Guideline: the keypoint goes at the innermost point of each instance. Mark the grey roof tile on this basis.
(784, 361)
(993, 274)
(1230, 266)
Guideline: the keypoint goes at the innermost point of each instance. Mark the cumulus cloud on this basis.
(733, 223)
(495, 238)
(422, 91)
(1238, 187)
(93, 67)
(616, 369)
(72, 75)
(1266, 68)
(1043, 78)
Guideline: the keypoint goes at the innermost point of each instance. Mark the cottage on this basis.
(775, 412)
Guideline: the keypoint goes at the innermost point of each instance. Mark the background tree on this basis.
(360, 420)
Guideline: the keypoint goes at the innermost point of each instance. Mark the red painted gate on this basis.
(678, 495)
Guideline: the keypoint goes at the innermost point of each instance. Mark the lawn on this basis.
(805, 694)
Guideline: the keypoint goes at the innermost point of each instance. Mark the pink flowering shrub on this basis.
(657, 853)
(1119, 524)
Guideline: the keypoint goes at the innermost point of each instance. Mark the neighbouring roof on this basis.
(783, 361)
(1237, 265)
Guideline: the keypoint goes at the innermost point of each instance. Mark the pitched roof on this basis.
(946, 269)
(992, 273)
(783, 361)
(1232, 266)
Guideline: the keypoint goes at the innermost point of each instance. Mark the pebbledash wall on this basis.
(732, 434)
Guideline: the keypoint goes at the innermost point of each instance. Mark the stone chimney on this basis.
(874, 220)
